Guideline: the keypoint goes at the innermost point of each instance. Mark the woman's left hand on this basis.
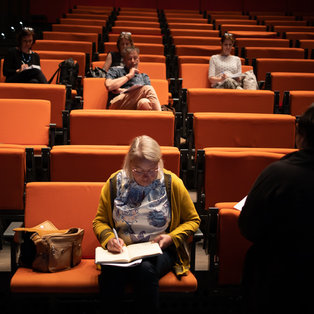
(164, 240)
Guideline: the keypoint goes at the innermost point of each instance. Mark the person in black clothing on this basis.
(278, 217)
(21, 64)
(115, 58)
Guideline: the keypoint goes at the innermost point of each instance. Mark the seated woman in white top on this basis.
(224, 68)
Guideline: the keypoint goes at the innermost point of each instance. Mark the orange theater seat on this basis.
(296, 102)
(25, 122)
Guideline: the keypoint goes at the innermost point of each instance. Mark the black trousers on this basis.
(144, 280)
(28, 76)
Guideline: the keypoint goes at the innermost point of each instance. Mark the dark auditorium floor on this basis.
(204, 300)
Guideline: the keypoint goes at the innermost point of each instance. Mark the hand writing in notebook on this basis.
(164, 240)
(115, 244)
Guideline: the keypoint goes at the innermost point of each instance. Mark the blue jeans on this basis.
(144, 279)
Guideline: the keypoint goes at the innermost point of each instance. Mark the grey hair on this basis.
(142, 147)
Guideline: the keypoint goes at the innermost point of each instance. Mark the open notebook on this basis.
(130, 254)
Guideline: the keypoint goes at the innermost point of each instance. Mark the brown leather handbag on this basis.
(55, 249)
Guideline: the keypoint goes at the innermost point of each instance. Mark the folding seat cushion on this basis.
(119, 127)
(25, 122)
(265, 65)
(49, 67)
(227, 100)
(12, 179)
(56, 94)
(97, 163)
(243, 130)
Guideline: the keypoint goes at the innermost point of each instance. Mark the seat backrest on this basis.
(228, 100)
(77, 28)
(92, 22)
(219, 22)
(66, 205)
(24, 121)
(56, 94)
(201, 26)
(194, 32)
(97, 163)
(12, 179)
(197, 50)
(261, 42)
(235, 27)
(153, 39)
(161, 87)
(119, 127)
(95, 93)
(190, 40)
(300, 101)
(65, 45)
(214, 129)
(229, 175)
(136, 30)
(135, 23)
(273, 52)
(195, 75)
(289, 81)
(49, 67)
(144, 58)
(154, 70)
(80, 57)
(144, 48)
(264, 65)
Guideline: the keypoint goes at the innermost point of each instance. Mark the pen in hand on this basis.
(117, 238)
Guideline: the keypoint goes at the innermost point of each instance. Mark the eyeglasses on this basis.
(30, 29)
(228, 35)
(150, 172)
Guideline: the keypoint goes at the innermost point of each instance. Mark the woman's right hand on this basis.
(23, 67)
(113, 245)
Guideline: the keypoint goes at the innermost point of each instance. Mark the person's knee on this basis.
(144, 104)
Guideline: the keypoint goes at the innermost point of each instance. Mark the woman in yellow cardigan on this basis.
(144, 202)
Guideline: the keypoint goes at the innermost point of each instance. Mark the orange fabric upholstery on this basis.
(189, 40)
(219, 22)
(227, 15)
(77, 28)
(56, 94)
(134, 17)
(194, 32)
(25, 122)
(12, 169)
(92, 22)
(252, 34)
(193, 50)
(153, 39)
(299, 35)
(136, 30)
(77, 15)
(229, 175)
(284, 22)
(154, 70)
(135, 23)
(201, 26)
(97, 163)
(95, 93)
(97, 126)
(201, 59)
(289, 81)
(228, 100)
(235, 27)
(73, 198)
(264, 65)
(287, 28)
(243, 130)
(307, 44)
(232, 247)
(49, 67)
(143, 58)
(80, 57)
(145, 48)
(64, 45)
(273, 52)
(187, 20)
(261, 42)
(300, 101)
(195, 75)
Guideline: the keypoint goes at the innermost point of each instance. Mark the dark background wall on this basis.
(12, 10)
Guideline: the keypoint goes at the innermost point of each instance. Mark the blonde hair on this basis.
(142, 147)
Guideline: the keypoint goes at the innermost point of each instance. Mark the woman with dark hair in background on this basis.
(21, 64)
(224, 68)
(115, 58)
